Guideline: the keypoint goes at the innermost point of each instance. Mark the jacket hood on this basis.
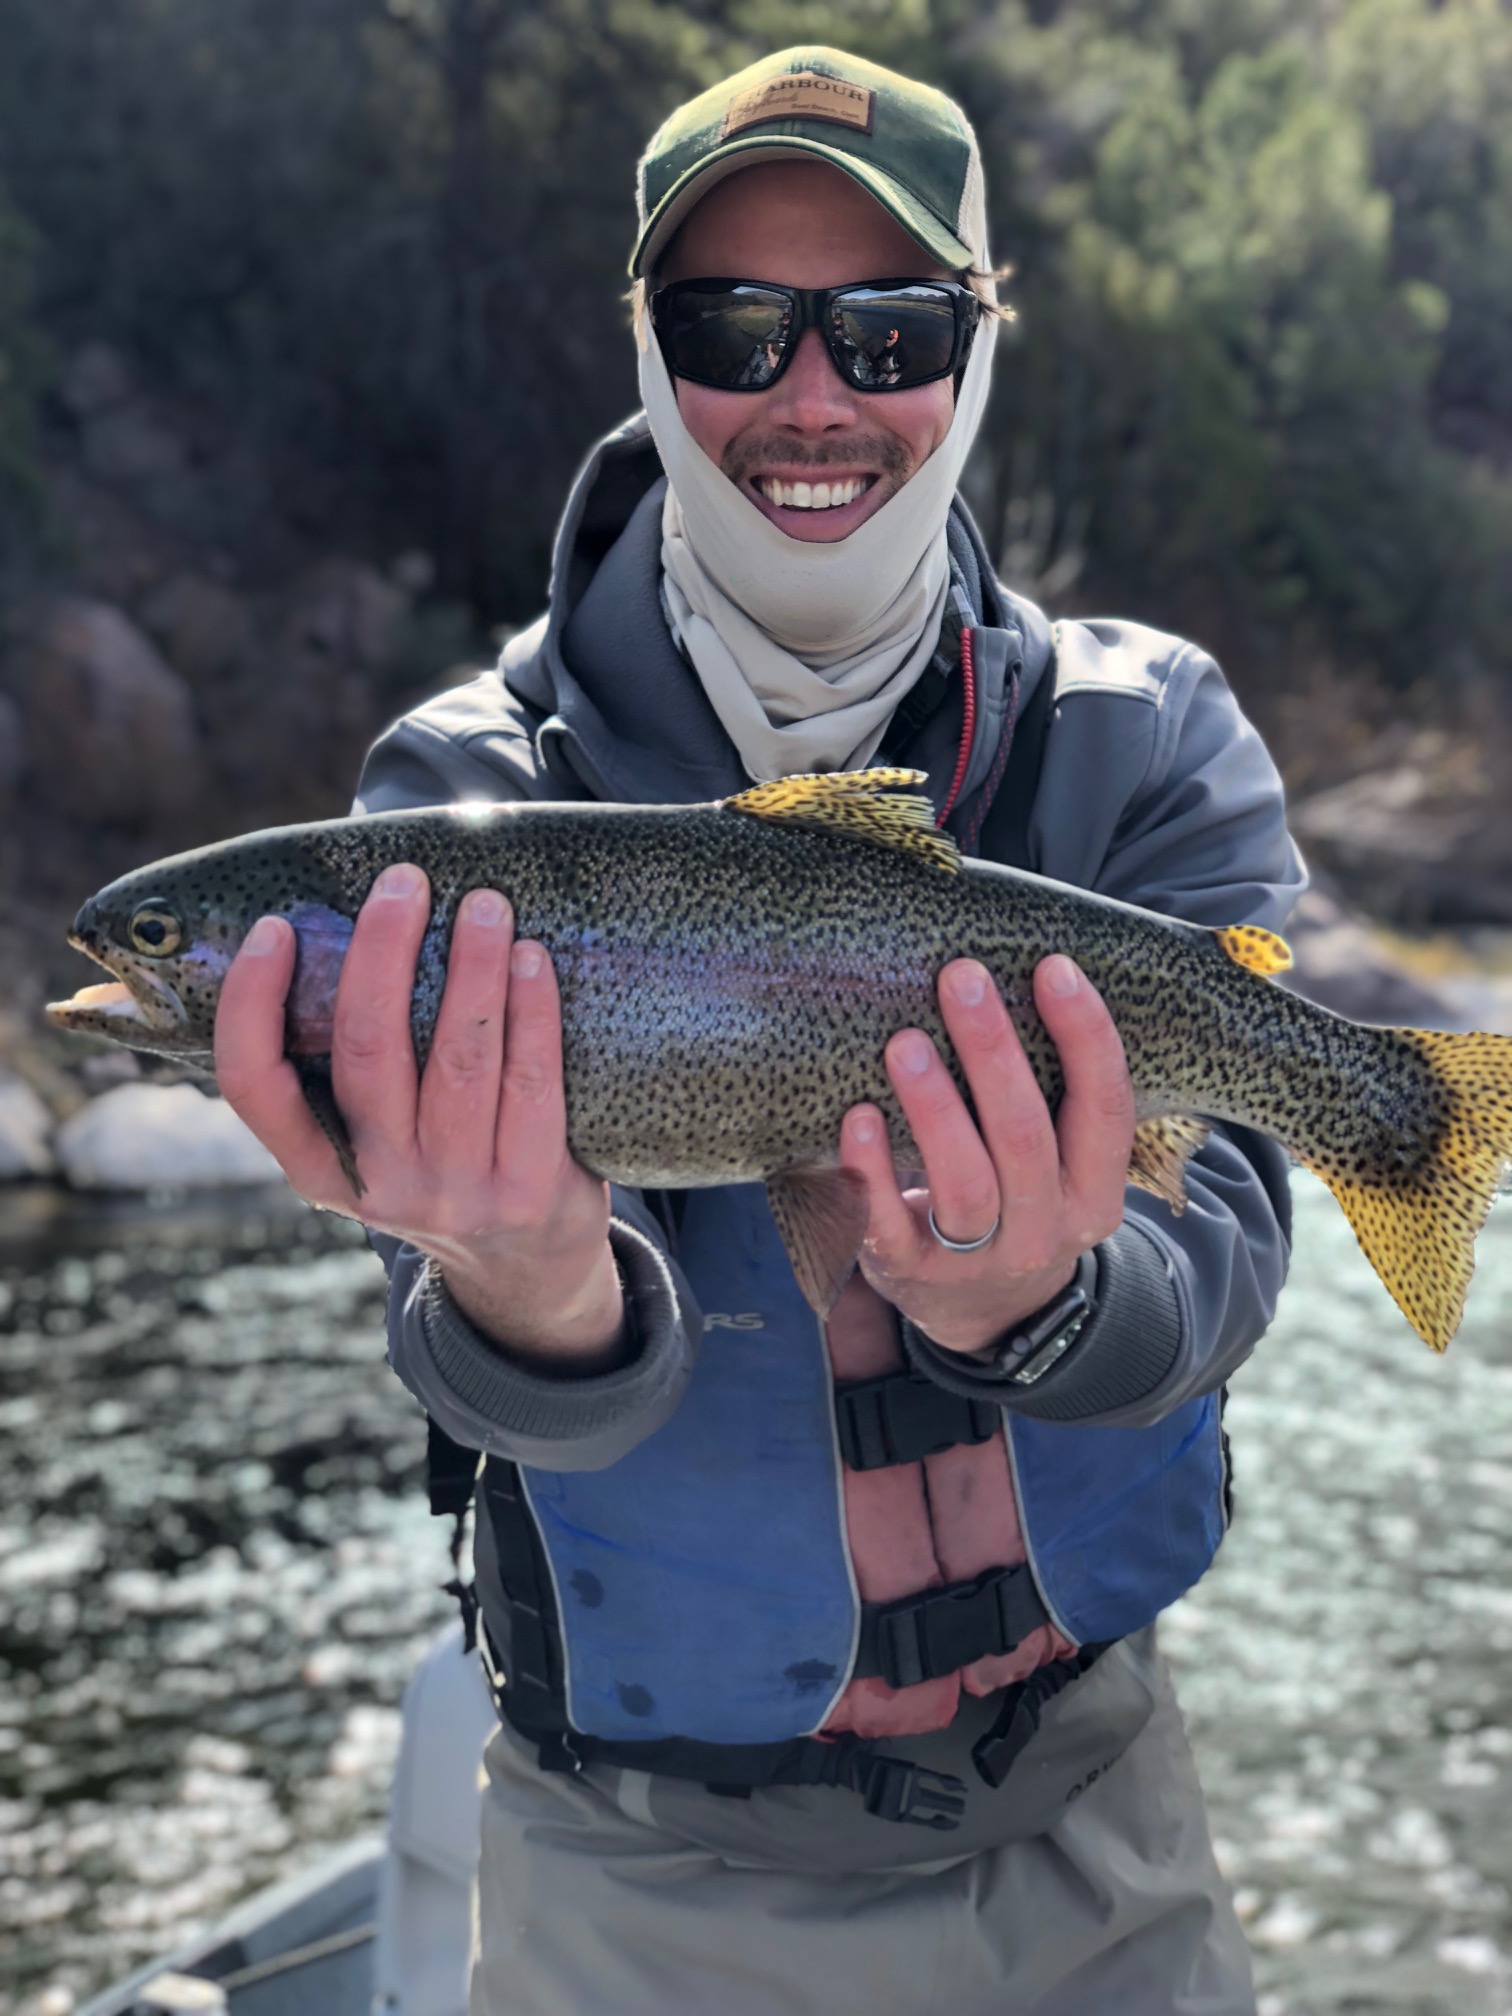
(622, 712)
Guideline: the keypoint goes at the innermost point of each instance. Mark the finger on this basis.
(1096, 1121)
(963, 1184)
(372, 1056)
(1011, 1112)
(892, 1230)
(531, 1147)
(257, 1081)
(458, 1116)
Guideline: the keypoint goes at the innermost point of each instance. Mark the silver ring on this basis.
(965, 1245)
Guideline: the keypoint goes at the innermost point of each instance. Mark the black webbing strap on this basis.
(923, 1637)
(905, 1417)
(891, 1788)
(450, 1474)
(996, 1753)
(534, 1655)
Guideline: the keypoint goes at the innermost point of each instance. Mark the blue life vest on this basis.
(703, 1583)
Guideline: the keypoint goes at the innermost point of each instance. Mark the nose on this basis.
(811, 396)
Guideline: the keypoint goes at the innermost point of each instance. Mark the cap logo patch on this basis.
(801, 94)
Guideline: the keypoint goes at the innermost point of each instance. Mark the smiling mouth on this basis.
(829, 496)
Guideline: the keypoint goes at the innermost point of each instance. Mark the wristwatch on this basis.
(1026, 1352)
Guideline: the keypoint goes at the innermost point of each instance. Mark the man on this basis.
(825, 1653)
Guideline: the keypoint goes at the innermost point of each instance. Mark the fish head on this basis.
(167, 946)
(167, 935)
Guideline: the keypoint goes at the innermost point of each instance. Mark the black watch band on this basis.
(1027, 1351)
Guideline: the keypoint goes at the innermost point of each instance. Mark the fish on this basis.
(731, 972)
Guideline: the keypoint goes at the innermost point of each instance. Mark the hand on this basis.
(1058, 1186)
(469, 1162)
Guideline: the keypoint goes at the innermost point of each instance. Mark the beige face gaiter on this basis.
(805, 650)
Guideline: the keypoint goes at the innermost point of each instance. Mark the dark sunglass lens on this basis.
(894, 339)
(731, 337)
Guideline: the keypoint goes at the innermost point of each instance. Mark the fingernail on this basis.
(485, 906)
(1061, 975)
(863, 1129)
(262, 938)
(400, 880)
(525, 961)
(968, 984)
(914, 1052)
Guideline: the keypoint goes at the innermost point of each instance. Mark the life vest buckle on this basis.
(893, 1789)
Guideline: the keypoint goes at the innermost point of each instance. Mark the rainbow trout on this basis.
(731, 972)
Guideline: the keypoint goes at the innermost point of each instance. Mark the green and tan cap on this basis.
(907, 145)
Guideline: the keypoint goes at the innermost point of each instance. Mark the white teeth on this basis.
(812, 497)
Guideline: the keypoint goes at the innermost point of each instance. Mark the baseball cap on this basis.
(908, 145)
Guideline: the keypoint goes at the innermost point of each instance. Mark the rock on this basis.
(345, 612)
(12, 749)
(25, 1124)
(150, 1137)
(1342, 965)
(94, 379)
(109, 727)
(203, 628)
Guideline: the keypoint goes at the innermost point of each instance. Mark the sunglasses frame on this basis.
(811, 307)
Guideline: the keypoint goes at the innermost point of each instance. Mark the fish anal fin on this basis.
(1417, 1226)
(821, 1214)
(315, 1082)
(858, 804)
(1162, 1148)
(1253, 946)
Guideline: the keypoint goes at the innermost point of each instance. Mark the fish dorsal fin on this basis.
(1252, 946)
(861, 805)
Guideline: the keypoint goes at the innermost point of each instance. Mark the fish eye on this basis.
(155, 930)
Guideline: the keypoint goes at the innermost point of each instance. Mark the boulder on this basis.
(1342, 965)
(203, 628)
(152, 1137)
(110, 734)
(25, 1124)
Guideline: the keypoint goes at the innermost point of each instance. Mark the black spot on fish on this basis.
(587, 1588)
(809, 1675)
(635, 1700)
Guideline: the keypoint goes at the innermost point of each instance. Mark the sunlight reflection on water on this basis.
(216, 1570)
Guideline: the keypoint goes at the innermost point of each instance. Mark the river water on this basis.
(216, 1570)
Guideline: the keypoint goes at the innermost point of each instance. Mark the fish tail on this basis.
(1417, 1219)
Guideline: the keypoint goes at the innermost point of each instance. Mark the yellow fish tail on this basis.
(1417, 1224)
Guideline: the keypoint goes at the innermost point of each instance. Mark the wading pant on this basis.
(587, 1908)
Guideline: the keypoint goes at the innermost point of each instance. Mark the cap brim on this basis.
(905, 209)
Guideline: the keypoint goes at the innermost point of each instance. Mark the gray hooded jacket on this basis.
(1153, 789)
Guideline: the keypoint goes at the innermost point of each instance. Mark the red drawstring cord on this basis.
(968, 727)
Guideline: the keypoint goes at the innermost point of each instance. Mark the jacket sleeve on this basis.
(1180, 1302)
(472, 743)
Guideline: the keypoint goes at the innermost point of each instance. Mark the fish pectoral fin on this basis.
(314, 1075)
(859, 804)
(1253, 946)
(1162, 1148)
(821, 1214)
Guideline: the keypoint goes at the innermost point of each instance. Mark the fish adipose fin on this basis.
(315, 1082)
(1418, 1227)
(1252, 946)
(821, 1214)
(1162, 1148)
(860, 805)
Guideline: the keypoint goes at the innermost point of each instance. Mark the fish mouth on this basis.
(132, 1003)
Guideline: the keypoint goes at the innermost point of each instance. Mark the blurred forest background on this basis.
(310, 308)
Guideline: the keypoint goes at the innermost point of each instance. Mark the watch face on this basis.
(1066, 1325)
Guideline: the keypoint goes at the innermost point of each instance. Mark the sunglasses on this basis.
(883, 335)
